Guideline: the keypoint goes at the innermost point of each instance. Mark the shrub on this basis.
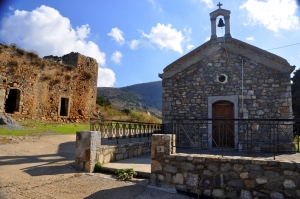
(125, 174)
(97, 167)
(33, 54)
(21, 51)
(14, 46)
(37, 61)
(102, 101)
(68, 68)
(13, 63)
(126, 111)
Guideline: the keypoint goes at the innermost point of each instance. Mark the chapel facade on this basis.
(225, 78)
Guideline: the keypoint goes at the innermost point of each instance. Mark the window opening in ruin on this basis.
(13, 101)
(64, 106)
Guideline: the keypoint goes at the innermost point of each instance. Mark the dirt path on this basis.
(43, 167)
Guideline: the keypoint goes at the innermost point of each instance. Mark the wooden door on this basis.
(223, 131)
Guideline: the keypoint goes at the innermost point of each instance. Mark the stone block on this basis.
(170, 169)
(236, 183)
(289, 184)
(192, 180)
(219, 193)
(155, 166)
(178, 178)
(187, 166)
(249, 183)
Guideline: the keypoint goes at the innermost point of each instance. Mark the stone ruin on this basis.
(51, 88)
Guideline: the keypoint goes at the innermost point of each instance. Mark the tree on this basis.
(102, 101)
(296, 93)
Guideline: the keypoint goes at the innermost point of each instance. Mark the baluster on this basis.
(140, 131)
(129, 132)
(134, 130)
(124, 131)
(110, 130)
(101, 128)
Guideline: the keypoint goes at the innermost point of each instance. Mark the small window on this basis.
(64, 107)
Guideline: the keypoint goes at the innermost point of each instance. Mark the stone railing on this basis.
(89, 150)
(122, 129)
(222, 177)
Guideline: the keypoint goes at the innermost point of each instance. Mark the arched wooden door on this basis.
(223, 131)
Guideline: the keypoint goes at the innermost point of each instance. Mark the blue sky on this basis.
(134, 40)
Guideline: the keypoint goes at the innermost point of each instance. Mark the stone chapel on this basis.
(226, 78)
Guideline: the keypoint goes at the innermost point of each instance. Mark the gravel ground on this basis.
(43, 167)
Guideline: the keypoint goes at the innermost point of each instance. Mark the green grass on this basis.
(31, 127)
(297, 143)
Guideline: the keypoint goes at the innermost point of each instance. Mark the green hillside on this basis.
(141, 97)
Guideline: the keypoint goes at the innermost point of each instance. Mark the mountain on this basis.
(142, 97)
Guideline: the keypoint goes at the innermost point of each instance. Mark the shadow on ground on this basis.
(49, 164)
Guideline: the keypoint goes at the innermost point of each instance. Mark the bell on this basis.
(221, 23)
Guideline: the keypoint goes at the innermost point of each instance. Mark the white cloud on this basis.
(155, 5)
(190, 46)
(250, 38)
(207, 39)
(11, 7)
(134, 44)
(273, 14)
(116, 57)
(208, 3)
(106, 77)
(49, 33)
(164, 36)
(117, 35)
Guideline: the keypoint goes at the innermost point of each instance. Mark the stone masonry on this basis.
(266, 92)
(89, 150)
(53, 88)
(223, 177)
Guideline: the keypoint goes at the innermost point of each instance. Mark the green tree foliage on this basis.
(296, 93)
(103, 102)
(126, 111)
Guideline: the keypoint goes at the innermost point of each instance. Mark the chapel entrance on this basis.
(223, 130)
(13, 101)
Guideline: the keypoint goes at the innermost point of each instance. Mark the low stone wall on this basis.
(108, 154)
(220, 177)
(89, 150)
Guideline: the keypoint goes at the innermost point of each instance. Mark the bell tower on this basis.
(213, 20)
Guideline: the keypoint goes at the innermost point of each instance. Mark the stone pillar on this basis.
(213, 28)
(227, 26)
(162, 144)
(87, 144)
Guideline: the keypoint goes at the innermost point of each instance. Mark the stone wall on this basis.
(89, 150)
(220, 177)
(53, 88)
(267, 92)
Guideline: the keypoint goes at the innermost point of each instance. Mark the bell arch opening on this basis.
(13, 100)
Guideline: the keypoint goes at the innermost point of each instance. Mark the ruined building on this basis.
(50, 88)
